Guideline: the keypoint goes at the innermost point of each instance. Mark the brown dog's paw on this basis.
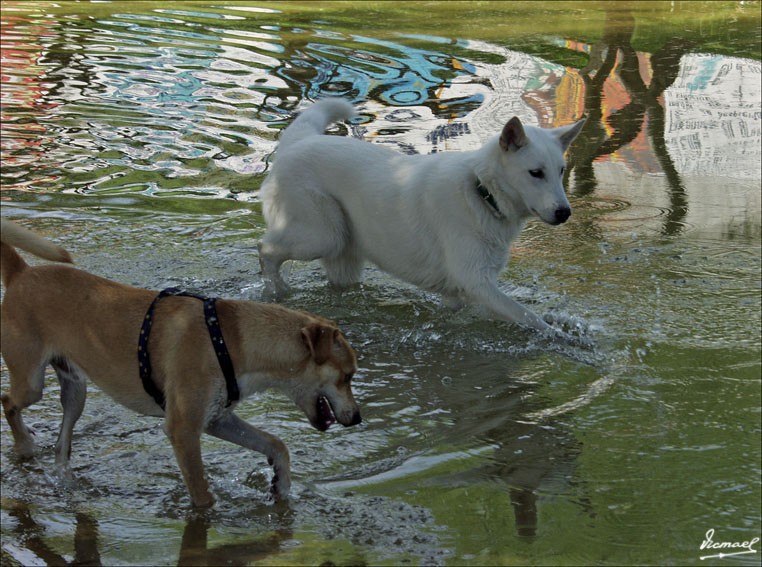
(24, 448)
(205, 501)
(280, 484)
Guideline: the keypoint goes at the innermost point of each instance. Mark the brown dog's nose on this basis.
(356, 419)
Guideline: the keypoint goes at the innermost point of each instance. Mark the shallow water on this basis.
(137, 135)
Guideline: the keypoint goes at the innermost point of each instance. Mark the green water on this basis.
(137, 135)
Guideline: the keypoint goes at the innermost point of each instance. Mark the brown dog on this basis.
(87, 326)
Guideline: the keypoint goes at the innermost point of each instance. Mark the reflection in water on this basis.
(194, 548)
(23, 136)
(189, 103)
(667, 113)
(602, 137)
(462, 424)
(154, 104)
(527, 457)
(32, 536)
(388, 73)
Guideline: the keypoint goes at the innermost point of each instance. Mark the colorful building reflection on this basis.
(23, 137)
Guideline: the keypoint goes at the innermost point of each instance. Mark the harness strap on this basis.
(215, 334)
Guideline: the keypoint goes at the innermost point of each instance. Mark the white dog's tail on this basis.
(316, 118)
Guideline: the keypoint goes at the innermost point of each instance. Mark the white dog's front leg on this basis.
(508, 309)
(232, 428)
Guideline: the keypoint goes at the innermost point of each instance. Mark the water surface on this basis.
(137, 134)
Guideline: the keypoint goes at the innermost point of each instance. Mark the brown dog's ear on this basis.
(319, 340)
(512, 136)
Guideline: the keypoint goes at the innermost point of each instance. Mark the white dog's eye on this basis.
(562, 170)
(538, 173)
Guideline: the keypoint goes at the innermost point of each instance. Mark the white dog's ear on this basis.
(566, 134)
(319, 340)
(512, 136)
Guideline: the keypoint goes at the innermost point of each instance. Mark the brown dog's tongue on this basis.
(325, 412)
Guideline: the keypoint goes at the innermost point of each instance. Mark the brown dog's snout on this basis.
(356, 419)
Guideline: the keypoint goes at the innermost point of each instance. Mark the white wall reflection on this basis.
(713, 117)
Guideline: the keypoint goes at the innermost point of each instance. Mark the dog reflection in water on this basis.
(194, 548)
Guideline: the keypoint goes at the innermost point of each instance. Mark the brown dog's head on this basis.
(325, 392)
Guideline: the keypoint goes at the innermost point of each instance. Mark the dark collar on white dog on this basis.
(488, 198)
(215, 334)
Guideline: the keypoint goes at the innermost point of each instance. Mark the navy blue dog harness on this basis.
(215, 333)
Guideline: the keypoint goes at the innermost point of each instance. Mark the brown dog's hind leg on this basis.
(26, 389)
(230, 427)
(73, 393)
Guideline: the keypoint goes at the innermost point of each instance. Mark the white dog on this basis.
(443, 222)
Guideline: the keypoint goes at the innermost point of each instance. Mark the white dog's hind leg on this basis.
(346, 268)
(296, 244)
(309, 228)
(270, 260)
(452, 302)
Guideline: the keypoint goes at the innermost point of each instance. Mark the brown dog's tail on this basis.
(14, 235)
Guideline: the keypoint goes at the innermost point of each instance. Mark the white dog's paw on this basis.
(274, 290)
(570, 329)
(566, 322)
(452, 302)
(576, 340)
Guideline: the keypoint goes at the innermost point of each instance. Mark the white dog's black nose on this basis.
(562, 214)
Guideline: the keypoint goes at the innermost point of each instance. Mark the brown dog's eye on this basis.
(348, 377)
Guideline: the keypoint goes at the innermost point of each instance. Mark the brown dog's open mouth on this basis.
(325, 415)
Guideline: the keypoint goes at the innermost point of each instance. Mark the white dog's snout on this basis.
(562, 214)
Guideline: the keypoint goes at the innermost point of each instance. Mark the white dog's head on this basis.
(532, 159)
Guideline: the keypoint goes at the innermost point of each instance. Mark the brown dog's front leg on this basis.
(189, 458)
(230, 427)
(185, 437)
